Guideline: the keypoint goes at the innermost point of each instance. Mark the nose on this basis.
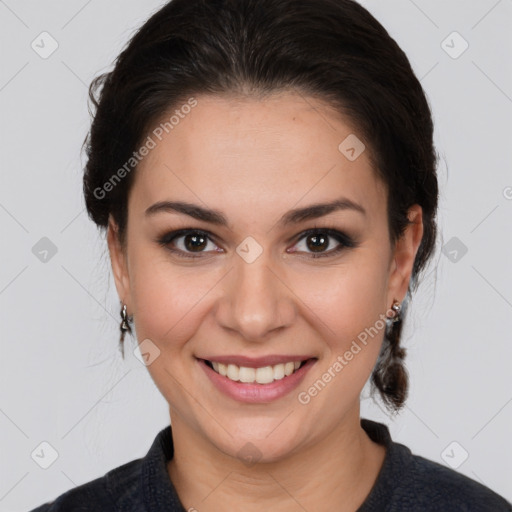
(256, 300)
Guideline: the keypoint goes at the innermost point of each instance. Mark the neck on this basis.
(338, 472)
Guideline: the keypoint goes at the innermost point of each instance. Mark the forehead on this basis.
(263, 153)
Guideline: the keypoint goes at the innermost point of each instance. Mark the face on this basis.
(258, 278)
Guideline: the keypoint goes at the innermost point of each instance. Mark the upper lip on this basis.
(257, 362)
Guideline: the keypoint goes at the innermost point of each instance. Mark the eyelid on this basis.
(333, 232)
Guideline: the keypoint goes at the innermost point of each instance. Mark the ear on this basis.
(402, 260)
(119, 262)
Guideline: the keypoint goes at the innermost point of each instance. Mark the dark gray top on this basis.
(406, 482)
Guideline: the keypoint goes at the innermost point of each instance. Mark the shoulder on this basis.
(140, 484)
(411, 482)
(432, 486)
(106, 493)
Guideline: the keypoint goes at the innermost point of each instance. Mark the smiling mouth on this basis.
(263, 375)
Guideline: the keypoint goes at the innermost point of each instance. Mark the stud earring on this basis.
(397, 308)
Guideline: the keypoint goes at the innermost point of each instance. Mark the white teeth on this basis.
(233, 372)
(278, 371)
(288, 368)
(247, 374)
(223, 369)
(264, 375)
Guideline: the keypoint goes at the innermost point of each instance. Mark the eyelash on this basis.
(345, 241)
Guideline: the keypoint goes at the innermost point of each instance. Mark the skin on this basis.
(254, 160)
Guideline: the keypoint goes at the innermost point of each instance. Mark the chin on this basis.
(261, 440)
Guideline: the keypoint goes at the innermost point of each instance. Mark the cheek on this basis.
(347, 299)
(168, 300)
(350, 305)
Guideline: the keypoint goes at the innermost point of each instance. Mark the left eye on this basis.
(318, 241)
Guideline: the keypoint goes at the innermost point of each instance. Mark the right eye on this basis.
(187, 243)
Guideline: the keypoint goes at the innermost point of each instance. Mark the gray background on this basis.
(63, 379)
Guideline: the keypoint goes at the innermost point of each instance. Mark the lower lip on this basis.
(257, 393)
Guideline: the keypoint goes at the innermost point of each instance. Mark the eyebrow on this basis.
(218, 218)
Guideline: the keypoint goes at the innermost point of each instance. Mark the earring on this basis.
(125, 326)
(397, 308)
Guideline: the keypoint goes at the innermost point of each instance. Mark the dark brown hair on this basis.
(334, 50)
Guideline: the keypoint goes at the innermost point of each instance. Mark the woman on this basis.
(266, 176)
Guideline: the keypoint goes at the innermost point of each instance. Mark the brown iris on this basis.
(319, 242)
(195, 241)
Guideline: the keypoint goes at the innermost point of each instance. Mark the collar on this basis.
(159, 494)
